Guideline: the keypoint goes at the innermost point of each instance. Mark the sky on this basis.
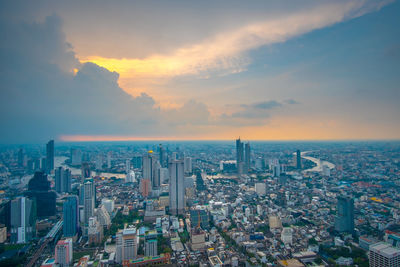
(199, 70)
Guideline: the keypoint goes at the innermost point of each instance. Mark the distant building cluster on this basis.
(211, 204)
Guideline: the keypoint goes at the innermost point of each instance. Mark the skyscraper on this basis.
(71, 216)
(76, 157)
(247, 158)
(126, 245)
(88, 199)
(63, 180)
(382, 254)
(85, 169)
(50, 156)
(151, 169)
(23, 220)
(239, 156)
(188, 165)
(298, 159)
(63, 252)
(199, 218)
(148, 165)
(162, 156)
(145, 187)
(176, 187)
(344, 221)
(127, 166)
(39, 189)
(150, 248)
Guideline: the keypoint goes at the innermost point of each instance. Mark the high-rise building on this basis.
(99, 162)
(23, 220)
(126, 245)
(76, 157)
(50, 156)
(176, 187)
(63, 252)
(383, 255)
(150, 249)
(239, 156)
(95, 231)
(85, 170)
(151, 169)
(103, 216)
(275, 166)
(63, 180)
(39, 189)
(71, 216)
(148, 165)
(287, 235)
(137, 162)
(298, 159)
(164, 175)
(88, 199)
(145, 187)
(127, 166)
(108, 204)
(199, 218)
(130, 177)
(162, 156)
(188, 165)
(344, 221)
(247, 157)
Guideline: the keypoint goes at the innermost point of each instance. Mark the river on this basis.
(59, 161)
(319, 163)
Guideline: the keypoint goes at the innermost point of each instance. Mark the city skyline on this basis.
(133, 71)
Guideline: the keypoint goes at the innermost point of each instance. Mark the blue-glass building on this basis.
(344, 221)
(71, 216)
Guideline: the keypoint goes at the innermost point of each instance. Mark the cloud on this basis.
(43, 97)
(291, 102)
(225, 52)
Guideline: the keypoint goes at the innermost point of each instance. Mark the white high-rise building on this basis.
(176, 187)
(23, 220)
(261, 189)
(126, 245)
(188, 165)
(275, 167)
(287, 235)
(95, 230)
(383, 254)
(127, 166)
(108, 204)
(130, 177)
(63, 252)
(88, 199)
(164, 175)
(103, 216)
(151, 248)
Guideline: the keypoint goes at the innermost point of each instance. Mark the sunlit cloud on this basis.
(226, 52)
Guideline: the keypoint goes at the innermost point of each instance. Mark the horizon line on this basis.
(104, 138)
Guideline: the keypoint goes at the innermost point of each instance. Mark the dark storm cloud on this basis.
(41, 98)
